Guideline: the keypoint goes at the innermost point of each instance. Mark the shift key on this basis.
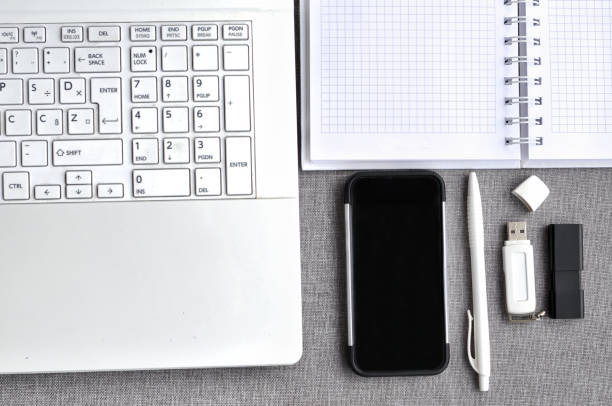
(88, 152)
(97, 59)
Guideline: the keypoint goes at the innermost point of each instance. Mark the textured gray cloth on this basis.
(549, 362)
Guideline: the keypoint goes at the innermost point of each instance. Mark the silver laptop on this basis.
(148, 176)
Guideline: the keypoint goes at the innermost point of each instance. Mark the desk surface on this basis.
(550, 362)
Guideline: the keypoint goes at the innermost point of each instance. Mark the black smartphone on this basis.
(396, 273)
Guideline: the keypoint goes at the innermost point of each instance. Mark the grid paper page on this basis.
(408, 67)
(581, 65)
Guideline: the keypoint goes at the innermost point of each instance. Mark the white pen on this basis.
(482, 361)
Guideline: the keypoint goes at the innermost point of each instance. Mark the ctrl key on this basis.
(16, 185)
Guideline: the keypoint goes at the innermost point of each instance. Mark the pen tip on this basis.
(483, 383)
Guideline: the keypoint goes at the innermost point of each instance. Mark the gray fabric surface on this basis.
(551, 362)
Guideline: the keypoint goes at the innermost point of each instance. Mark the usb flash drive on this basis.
(518, 270)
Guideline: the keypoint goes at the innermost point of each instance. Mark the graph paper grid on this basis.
(581, 65)
(408, 67)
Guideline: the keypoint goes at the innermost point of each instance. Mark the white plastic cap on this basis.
(532, 192)
(483, 383)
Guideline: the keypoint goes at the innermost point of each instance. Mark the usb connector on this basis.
(518, 270)
(517, 231)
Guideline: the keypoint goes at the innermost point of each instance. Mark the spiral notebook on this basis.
(456, 83)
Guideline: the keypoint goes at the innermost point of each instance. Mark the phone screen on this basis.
(399, 320)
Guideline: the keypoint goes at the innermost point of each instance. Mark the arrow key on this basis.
(78, 192)
(78, 177)
(110, 190)
(47, 192)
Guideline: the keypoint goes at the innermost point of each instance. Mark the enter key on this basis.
(106, 93)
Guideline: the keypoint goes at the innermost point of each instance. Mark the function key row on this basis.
(112, 33)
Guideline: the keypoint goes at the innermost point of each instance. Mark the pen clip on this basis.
(469, 341)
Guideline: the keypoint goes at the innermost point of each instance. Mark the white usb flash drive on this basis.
(518, 270)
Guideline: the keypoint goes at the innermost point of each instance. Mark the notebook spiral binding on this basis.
(522, 80)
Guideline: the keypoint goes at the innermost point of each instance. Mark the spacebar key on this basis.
(162, 183)
(88, 152)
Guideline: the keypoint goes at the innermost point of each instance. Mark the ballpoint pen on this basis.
(482, 360)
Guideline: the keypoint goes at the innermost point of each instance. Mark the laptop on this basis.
(149, 189)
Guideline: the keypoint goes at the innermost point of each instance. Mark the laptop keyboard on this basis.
(126, 111)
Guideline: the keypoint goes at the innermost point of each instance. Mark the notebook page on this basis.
(577, 74)
(409, 80)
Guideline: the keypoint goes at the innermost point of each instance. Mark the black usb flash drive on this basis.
(565, 252)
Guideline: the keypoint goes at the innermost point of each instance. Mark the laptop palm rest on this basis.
(149, 285)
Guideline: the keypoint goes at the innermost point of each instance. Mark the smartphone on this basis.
(396, 273)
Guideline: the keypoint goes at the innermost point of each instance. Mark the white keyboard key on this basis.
(9, 35)
(144, 90)
(41, 91)
(34, 153)
(104, 34)
(174, 33)
(18, 122)
(174, 58)
(25, 60)
(110, 190)
(78, 178)
(16, 185)
(207, 150)
(205, 58)
(144, 120)
(162, 183)
(72, 91)
(205, 88)
(79, 192)
(143, 59)
(72, 34)
(237, 103)
(11, 91)
(208, 182)
(106, 93)
(56, 60)
(49, 122)
(8, 154)
(176, 150)
(80, 121)
(3, 61)
(34, 34)
(47, 192)
(175, 89)
(88, 152)
(204, 32)
(100, 59)
(145, 151)
(175, 119)
(236, 31)
(143, 33)
(238, 165)
(236, 57)
(206, 119)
